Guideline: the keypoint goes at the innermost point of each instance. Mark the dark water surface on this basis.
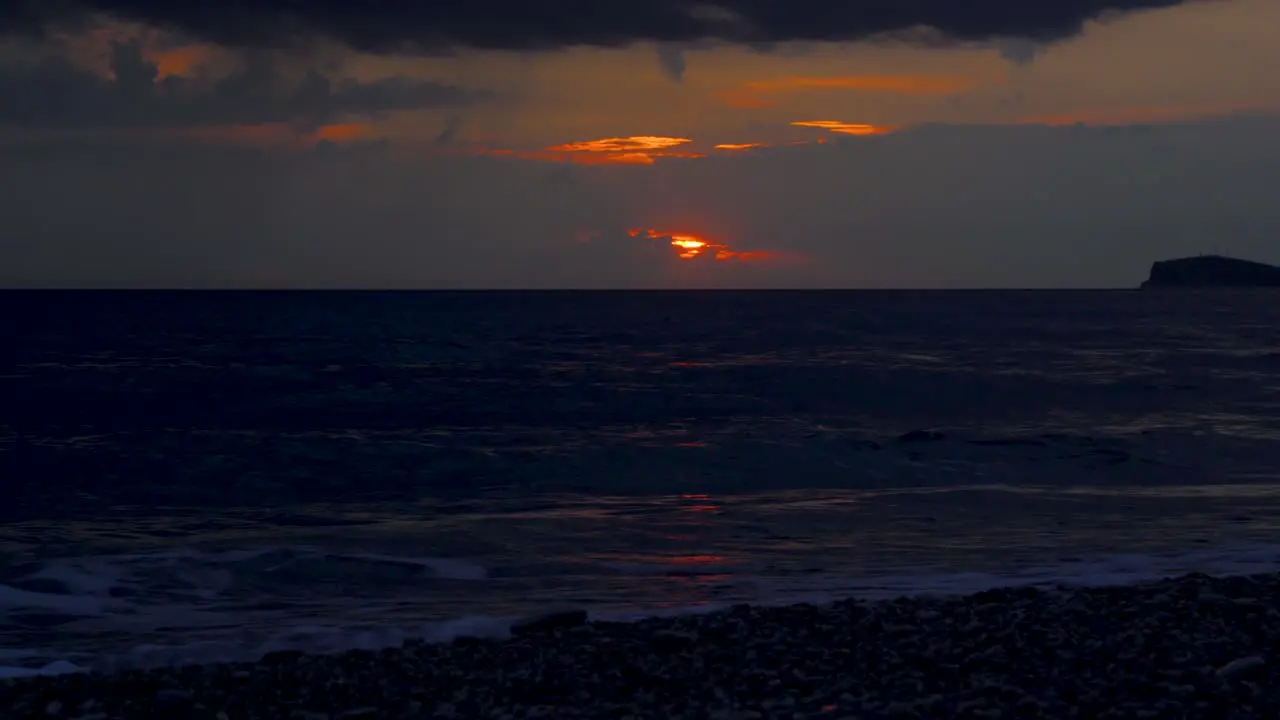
(192, 475)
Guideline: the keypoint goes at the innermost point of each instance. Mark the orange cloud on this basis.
(632, 150)
(92, 49)
(764, 93)
(178, 61)
(635, 143)
(689, 246)
(635, 150)
(345, 132)
(845, 128)
(615, 159)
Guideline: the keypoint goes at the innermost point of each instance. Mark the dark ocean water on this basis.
(206, 475)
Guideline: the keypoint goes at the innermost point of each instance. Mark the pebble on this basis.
(1191, 647)
(1240, 666)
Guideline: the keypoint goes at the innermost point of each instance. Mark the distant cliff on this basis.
(1211, 271)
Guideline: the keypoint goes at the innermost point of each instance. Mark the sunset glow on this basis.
(637, 150)
(631, 150)
(689, 246)
(845, 128)
(635, 143)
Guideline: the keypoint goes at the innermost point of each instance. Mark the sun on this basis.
(687, 245)
(691, 246)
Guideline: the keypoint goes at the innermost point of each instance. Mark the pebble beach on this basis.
(1190, 647)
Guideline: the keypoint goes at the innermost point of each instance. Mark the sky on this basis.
(599, 144)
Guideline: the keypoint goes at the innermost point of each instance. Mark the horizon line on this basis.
(1108, 288)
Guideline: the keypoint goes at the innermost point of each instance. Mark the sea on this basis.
(211, 476)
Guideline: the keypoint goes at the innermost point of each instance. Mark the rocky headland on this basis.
(1209, 271)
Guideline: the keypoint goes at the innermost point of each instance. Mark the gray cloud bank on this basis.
(394, 25)
(53, 94)
(940, 206)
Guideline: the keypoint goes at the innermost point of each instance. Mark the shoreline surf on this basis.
(1190, 646)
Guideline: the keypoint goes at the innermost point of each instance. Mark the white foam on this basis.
(12, 598)
(312, 638)
(443, 568)
(92, 584)
(1120, 569)
(58, 667)
(95, 576)
(318, 635)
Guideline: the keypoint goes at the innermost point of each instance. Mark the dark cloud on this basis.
(393, 25)
(55, 94)
(449, 135)
(671, 60)
(1019, 51)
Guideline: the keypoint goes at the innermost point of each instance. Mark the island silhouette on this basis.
(1208, 271)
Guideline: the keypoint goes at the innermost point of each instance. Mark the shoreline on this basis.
(1189, 647)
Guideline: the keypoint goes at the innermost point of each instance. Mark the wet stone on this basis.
(1150, 650)
(550, 622)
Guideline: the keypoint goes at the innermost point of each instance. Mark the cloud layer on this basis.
(55, 94)
(940, 206)
(387, 25)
